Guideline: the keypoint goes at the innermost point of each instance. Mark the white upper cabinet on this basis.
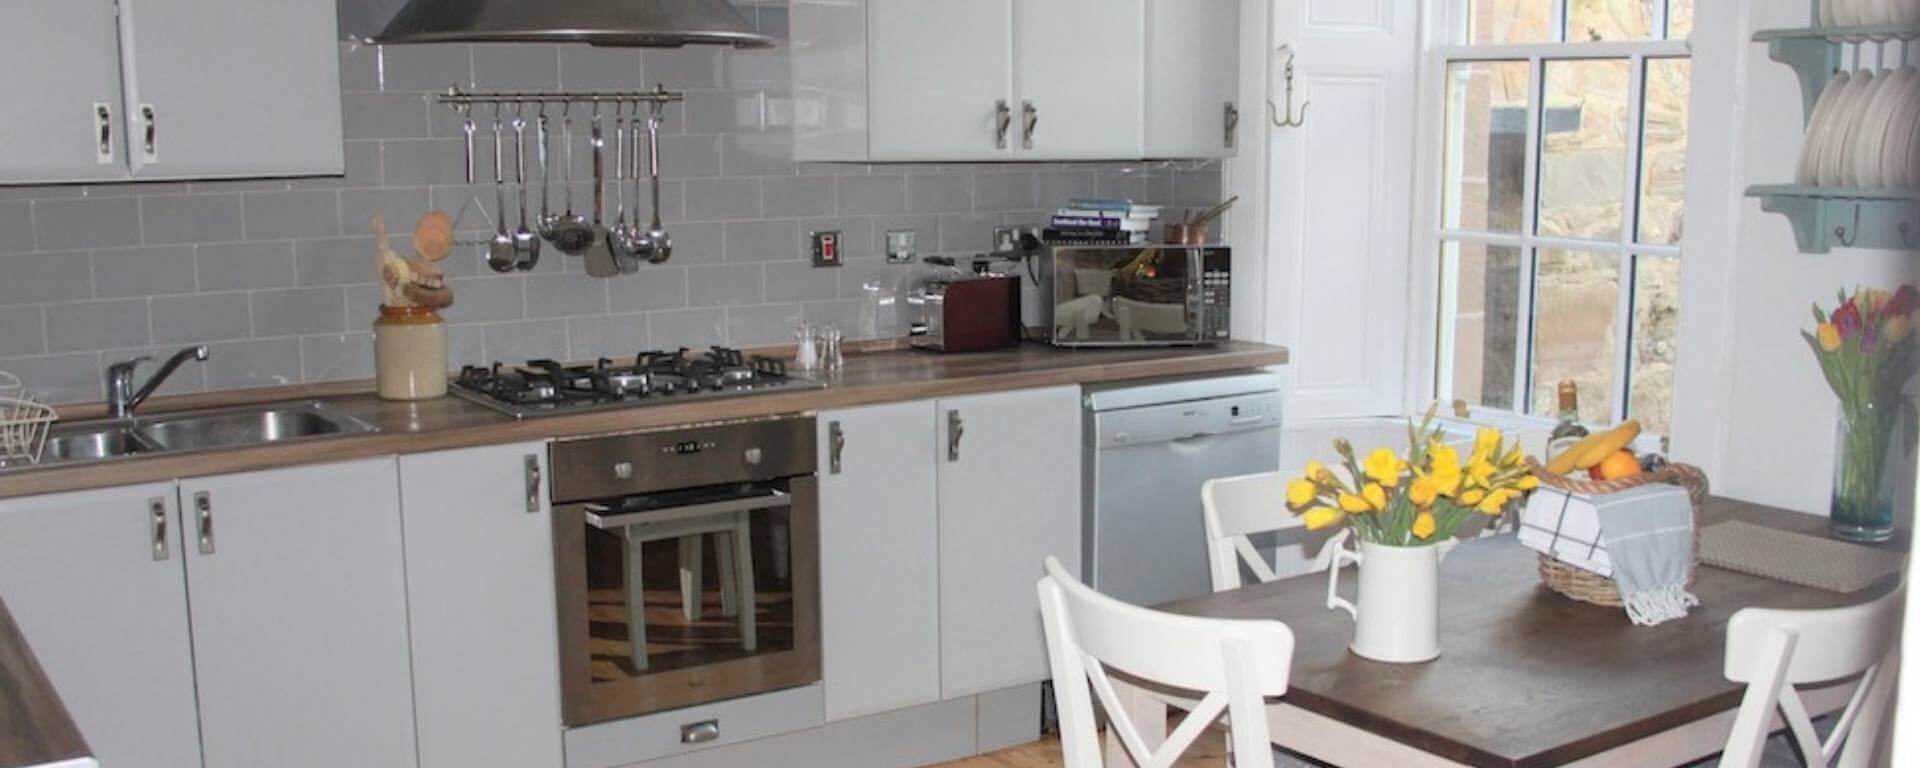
(93, 579)
(169, 89)
(999, 80)
(299, 611)
(1077, 74)
(1193, 76)
(227, 88)
(941, 79)
(64, 128)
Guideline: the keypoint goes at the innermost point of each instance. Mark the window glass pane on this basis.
(1486, 147)
(1509, 21)
(1679, 19)
(1583, 149)
(1575, 300)
(1663, 155)
(1596, 20)
(1482, 333)
(1656, 319)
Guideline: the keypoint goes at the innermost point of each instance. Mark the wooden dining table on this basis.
(1526, 677)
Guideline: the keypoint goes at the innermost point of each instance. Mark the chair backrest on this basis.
(1236, 507)
(1234, 663)
(1772, 651)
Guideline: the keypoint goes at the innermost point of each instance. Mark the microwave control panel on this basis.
(1216, 295)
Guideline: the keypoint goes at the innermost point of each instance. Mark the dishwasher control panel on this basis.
(1190, 422)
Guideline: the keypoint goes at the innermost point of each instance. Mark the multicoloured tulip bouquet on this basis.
(1415, 499)
(1865, 347)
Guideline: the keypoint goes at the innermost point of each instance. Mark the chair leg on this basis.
(729, 580)
(691, 590)
(636, 604)
(743, 581)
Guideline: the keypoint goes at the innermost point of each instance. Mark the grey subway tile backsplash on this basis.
(277, 274)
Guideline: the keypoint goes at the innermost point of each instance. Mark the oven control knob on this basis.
(623, 470)
(753, 457)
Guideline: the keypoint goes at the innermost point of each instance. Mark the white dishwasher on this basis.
(1150, 445)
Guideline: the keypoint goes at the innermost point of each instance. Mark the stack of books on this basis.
(1102, 222)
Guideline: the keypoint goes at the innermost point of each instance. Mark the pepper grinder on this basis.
(830, 338)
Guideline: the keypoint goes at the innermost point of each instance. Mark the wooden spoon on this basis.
(433, 236)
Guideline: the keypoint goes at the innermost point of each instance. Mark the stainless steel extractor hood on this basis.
(648, 23)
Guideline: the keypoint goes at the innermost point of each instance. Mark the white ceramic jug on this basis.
(1397, 619)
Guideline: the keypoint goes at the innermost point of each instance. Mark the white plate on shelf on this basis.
(1839, 125)
(1867, 153)
(1902, 160)
(1808, 170)
(1826, 13)
(1845, 12)
(1877, 13)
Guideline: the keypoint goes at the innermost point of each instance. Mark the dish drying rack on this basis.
(517, 103)
(23, 423)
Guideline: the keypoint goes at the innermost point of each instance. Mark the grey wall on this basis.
(276, 275)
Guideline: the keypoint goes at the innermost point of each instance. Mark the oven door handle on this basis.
(597, 513)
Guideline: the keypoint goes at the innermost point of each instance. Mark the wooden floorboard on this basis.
(1210, 751)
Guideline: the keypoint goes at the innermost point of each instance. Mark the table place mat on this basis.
(1795, 558)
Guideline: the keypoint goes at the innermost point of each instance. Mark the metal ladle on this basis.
(526, 244)
(619, 233)
(571, 232)
(502, 254)
(547, 218)
(655, 242)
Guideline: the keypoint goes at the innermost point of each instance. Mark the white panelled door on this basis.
(1340, 204)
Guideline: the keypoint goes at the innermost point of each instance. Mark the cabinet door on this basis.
(939, 72)
(1009, 497)
(479, 544)
(95, 583)
(300, 617)
(231, 88)
(1192, 77)
(879, 559)
(54, 130)
(1077, 66)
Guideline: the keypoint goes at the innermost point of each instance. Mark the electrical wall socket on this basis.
(901, 247)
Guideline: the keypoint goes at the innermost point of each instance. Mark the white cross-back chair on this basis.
(1233, 664)
(1772, 651)
(1238, 507)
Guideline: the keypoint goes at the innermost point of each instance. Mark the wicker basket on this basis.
(1590, 587)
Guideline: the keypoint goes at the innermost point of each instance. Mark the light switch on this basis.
(826, 248)
(900, 246)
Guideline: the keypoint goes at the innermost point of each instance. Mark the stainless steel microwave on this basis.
(1136, 295)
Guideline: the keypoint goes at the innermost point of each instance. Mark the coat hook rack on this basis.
(1285, 118)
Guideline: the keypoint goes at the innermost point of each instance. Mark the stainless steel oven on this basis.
(687, 566)
(1136, 295)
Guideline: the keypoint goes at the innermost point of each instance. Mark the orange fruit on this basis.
(1616, 465)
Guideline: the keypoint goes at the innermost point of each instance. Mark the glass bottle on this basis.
(1568, 431)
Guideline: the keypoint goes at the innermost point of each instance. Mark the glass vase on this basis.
(1863, 472)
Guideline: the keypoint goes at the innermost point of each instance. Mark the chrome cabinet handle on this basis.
(955, 428)
(700, 732)
(1032, 121)
(203, 511)
(1233, 123)
(1003, 122)
(146, 115)
(533, 483)
(103, 125)
(836, 444)
(157, 527)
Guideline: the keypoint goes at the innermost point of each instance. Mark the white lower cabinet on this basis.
(93, 579)
(879, 559)
(298, 606)
(1009, 475)
(479, 545)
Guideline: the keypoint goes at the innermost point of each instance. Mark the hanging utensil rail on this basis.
(463, 100)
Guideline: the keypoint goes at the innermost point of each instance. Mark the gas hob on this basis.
(546, 387)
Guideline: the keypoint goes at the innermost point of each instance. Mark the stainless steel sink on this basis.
(193, 431)
(87, 444)
(250, 426)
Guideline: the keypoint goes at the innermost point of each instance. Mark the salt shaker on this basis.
(805, 355)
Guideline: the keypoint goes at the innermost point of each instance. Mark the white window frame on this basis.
(1432, 287)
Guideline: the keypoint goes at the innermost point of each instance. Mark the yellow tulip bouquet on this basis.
(1415, 499)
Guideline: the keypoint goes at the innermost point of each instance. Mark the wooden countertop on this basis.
(446, 423)
(34, 726)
